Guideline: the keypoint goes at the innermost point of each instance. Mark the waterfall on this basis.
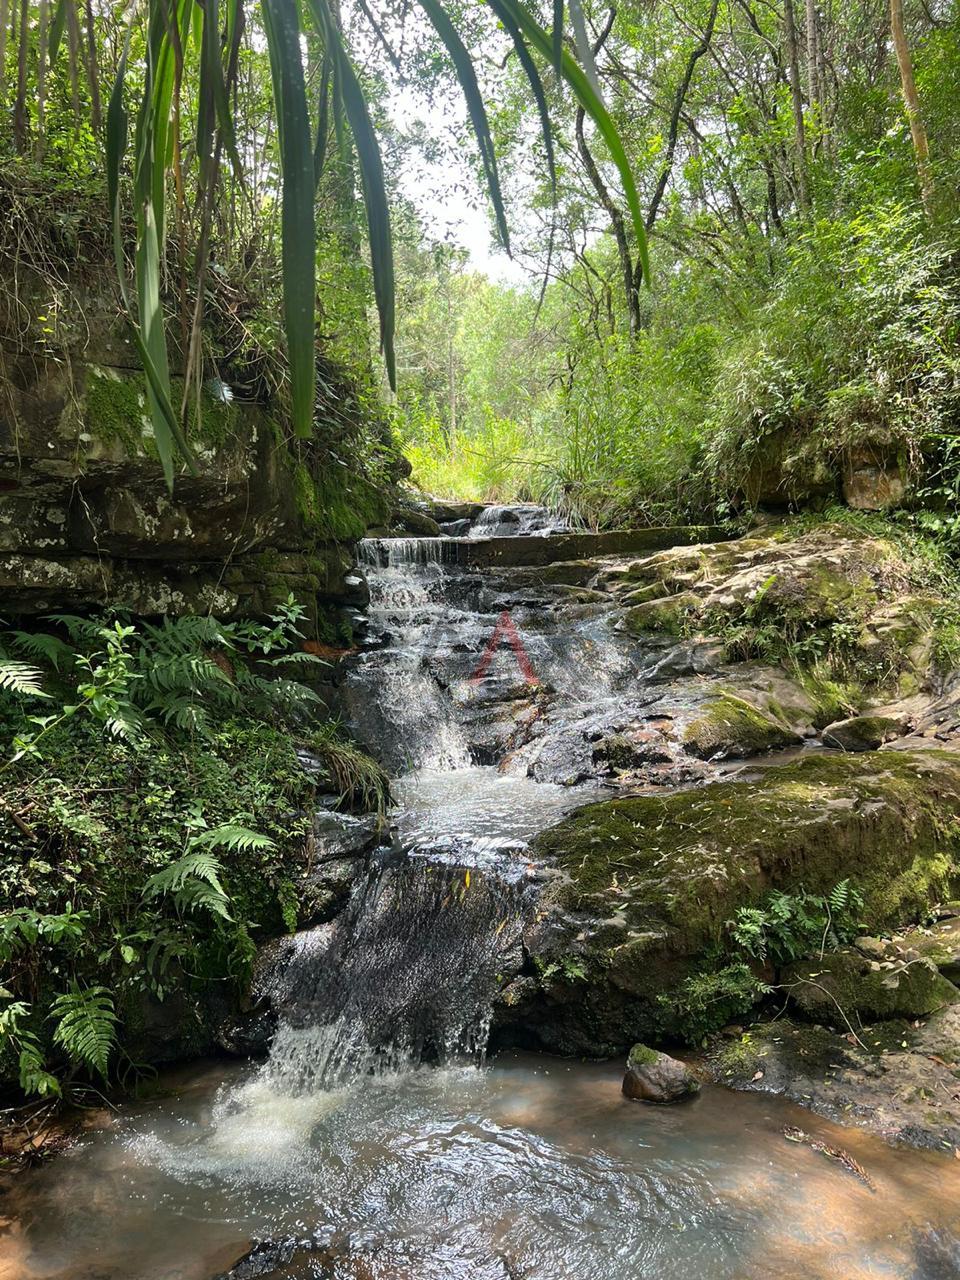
(406, 974)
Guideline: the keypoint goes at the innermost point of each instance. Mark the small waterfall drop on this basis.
(406, 974)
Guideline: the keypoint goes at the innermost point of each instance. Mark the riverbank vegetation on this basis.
(154, 827)
(803, 301)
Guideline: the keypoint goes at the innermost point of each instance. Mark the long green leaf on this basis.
(347, 88)
(57, 24)
(166, 425)
(467, 76)
(582, 41)
(504, 15)
(298, 228)
(557, 35)
(323, 123)
(592, 103)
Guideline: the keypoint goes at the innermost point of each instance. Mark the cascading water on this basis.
(335, 1160)
(408, 971)
(405, 974)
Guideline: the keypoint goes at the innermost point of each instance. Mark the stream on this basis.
(378, 1141)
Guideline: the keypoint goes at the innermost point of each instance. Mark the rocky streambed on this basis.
(701, 797)
(666, 699)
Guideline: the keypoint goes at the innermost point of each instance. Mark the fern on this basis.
(839, 897)
(86, 1027)
(42, 646)
(233, 837)
(21, 678)
(193, 883)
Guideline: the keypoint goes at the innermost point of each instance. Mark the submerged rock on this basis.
(656, 1077)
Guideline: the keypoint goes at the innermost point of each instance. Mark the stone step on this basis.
(534, 551)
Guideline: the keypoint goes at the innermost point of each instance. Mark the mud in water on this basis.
(533, 1168)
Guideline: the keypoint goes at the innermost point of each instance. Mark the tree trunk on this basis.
(918, 133)
(92, 70)
(20, 105)
(41, 74)
(796, 95)
(814, 82)
(4, 20)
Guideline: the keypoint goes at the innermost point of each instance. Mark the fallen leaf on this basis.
(758, 1075)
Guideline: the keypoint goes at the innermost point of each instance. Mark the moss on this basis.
(115, 410)
(738, 1058)
(211, 421)
(844, 983)
(679, 866)
(834, 699)
(641, 1056)
(730, 726)
(667, 614)
(335, 503)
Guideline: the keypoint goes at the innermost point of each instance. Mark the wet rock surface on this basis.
(655, 1077)
(900, 1079)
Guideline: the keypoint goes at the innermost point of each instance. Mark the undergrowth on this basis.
(154, 819)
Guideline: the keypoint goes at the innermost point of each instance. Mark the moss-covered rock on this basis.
(844, 985)
(656, 1077)
(864, 733)
(666, 613)
(731, 726)
(645, 885)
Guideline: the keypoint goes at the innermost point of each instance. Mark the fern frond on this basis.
(86, 1029)
(232, 837)
(82, 631)
(21, 678)
(840, 896)
(193, 882)
(184, 712)
(42, 645)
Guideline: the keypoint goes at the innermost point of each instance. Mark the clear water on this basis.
(529, 1168)
(478, 816)
(533, 1168)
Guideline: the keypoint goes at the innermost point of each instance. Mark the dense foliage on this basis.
(155, 817)
(803, 285)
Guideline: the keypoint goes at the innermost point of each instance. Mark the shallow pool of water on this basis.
(535, 1168)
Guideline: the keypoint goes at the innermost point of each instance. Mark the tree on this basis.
(911, 100)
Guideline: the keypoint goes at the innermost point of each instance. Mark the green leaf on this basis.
(463, 65)
(21, 678)
(504, 15)
(348, 92)
(148, 333)
(86, 1026)
(593, 105)
(298, 231)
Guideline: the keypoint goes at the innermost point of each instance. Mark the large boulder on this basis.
(643, 886)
